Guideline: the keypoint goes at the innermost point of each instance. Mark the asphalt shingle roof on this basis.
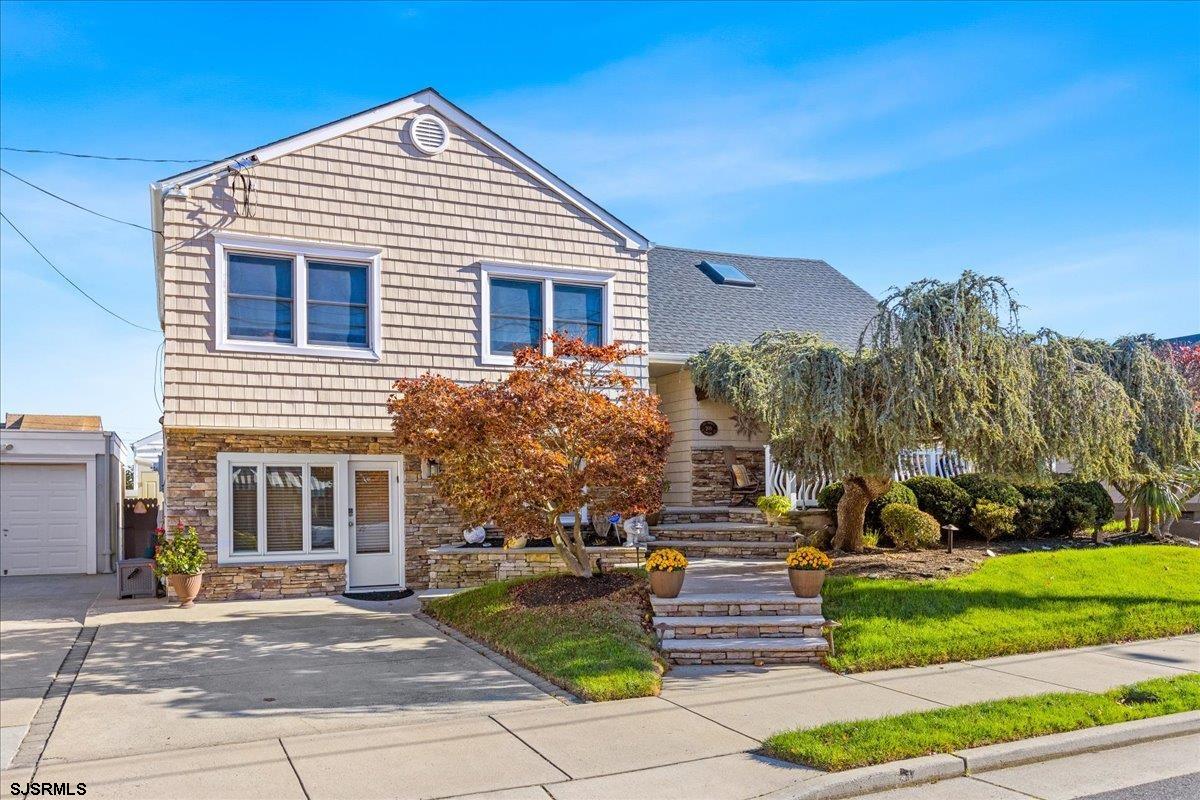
(689, 312)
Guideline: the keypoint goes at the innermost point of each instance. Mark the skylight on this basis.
(725, 274)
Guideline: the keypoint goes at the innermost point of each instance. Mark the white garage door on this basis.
(43, 517)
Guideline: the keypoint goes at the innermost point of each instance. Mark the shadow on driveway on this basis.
(159, 677)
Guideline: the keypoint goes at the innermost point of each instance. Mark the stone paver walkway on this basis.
(696, 740)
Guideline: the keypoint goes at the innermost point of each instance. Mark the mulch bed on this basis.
(562, 590)
(626, 592)
(968, 555)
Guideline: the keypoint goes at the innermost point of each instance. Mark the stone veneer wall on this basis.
(191, 498)
(453, 567)
(710, 474)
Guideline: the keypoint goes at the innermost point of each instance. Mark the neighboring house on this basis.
(61, 486)
(299, 279)
(147, 467)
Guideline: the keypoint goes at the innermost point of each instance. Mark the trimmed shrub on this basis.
(829, 497)
(1071, 513)
(897, 494)
(992, 519)
(1035, 517)
(989, 487)
(949, 503)
(1060, 509)
(1095, 495)
(909, 528)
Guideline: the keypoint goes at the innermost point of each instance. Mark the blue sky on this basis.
(1056, 145)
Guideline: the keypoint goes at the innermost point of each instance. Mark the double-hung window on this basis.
(278, 506)
(522, 304)
(295, 297)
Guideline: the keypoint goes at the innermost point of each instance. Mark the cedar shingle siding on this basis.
(434, 217)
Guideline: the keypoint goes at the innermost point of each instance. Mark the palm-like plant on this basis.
(1161, 496)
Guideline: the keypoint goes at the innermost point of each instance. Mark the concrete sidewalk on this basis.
(696, 740)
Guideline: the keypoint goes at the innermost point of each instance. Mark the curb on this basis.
(1058, 745)
(960, 763)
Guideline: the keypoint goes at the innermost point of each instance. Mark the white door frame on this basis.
(89, 463)
(397, 511)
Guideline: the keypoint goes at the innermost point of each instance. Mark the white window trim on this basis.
(299, 252)
(548, 276)
(341, 501)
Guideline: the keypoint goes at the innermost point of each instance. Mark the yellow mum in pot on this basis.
(806, 571)
(666, 568)
(808, 558)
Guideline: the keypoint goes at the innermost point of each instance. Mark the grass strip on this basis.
(845, 745)
(1023, 603)
(596, 649)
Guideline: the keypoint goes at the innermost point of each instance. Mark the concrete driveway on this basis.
(160, 678)
(39, 620)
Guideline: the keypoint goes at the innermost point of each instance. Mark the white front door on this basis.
(43, 519)
(376, 546)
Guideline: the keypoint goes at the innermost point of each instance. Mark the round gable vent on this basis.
(428, 134)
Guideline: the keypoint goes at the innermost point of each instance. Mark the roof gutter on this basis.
(669, 358)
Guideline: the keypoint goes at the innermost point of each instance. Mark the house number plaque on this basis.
(708, 428)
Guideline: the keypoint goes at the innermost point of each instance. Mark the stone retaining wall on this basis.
(457, 567)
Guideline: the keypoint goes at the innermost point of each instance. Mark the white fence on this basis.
(803, 491)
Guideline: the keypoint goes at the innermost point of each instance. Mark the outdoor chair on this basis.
(743, 486)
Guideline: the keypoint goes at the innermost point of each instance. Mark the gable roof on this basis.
(689, 311)
(426, 98)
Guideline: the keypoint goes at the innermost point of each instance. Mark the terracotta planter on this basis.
(186, 587)
(666, 584)
(806, 582)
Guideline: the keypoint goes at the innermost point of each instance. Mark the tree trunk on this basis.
(571, 548)
(858, 492)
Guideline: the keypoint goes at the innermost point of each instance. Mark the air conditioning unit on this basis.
(135, 578)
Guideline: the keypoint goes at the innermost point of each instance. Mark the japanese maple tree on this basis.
(557, 433)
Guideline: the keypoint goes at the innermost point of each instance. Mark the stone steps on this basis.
(750, 650)
(740, 627)
(735, 605)
(725, 532)
(716, 548)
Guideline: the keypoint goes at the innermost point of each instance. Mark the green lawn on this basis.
(1016, 604)
(845, 745)
(596, 649)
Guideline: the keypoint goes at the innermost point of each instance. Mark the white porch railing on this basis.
(803, 491)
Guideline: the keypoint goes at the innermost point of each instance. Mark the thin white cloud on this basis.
(702, 118)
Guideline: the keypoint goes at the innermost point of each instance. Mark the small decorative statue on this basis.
(635, 530)
(475, 535)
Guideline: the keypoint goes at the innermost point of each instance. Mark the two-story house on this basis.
(297, 280)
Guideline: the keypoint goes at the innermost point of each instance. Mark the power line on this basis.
(113, 158)
(73, 283)
(76, 205)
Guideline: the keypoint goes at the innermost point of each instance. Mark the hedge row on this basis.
(1053, 508)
